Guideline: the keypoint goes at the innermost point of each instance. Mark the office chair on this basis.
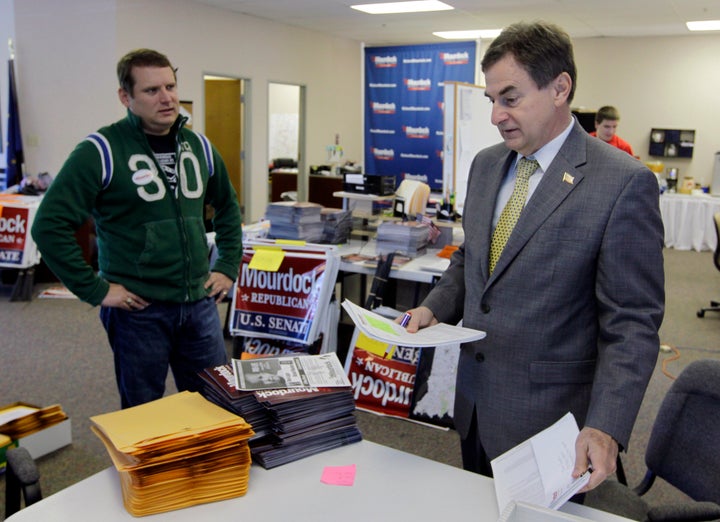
(22, 480)
(714, 305)
(682, 450)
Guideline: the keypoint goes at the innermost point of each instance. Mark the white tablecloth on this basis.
(689, 221)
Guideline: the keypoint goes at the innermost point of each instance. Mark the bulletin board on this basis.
(467, 130)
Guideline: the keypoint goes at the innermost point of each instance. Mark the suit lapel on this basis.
(561, 178)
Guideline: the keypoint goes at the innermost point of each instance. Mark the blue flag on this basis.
(14, 154)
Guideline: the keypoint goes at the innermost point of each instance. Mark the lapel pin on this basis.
(567, 178)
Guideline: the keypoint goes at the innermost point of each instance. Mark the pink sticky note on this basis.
(338, 475)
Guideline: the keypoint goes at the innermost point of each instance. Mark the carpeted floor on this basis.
(55, 351)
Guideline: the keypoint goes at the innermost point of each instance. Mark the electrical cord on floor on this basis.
(666, 348)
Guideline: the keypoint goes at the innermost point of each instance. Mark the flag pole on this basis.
(14, 156)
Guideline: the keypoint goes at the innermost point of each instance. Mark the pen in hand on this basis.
(403, 322)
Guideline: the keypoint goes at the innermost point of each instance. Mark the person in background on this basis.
(573, 301)
(145, 181)
(606, 122)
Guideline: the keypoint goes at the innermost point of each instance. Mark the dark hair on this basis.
(542, 49)
(608, 112)
(139, 58)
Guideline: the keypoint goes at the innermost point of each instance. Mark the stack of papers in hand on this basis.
(295, 220)
(388, 331)
(337, 225)
(539, 470)
(409, 238)
(176, 452)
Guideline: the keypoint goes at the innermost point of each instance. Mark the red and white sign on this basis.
(17, 249)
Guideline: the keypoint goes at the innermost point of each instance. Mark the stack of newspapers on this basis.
(295, 220)
(176, 452)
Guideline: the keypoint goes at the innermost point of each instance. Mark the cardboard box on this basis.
(48, 440)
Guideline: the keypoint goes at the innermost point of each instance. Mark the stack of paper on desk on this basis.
(295, 220)
(337, 225)
(176, 452)
(408, 238)
(305, 421)
(293, 421)
(219, 388)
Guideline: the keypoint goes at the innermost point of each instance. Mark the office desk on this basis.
(426, 268)
(688, 221)
(389, 485)
(423, 269)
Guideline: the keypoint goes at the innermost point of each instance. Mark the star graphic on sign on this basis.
(245, 297)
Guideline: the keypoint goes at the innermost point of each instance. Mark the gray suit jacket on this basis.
(573, 308)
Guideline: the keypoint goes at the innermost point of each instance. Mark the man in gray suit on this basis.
(574, 302)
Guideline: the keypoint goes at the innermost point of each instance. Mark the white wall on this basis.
(67, 51)
(284, 118)
(66, 54)
(668, 82)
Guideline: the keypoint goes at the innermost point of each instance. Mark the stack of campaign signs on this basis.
(284, 292)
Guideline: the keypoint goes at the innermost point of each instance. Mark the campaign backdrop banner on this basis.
(404, 107)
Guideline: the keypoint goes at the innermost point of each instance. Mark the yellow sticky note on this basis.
(373, 346)
(267, 259)
(294, 242)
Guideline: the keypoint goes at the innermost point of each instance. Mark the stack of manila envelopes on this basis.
(176, 452)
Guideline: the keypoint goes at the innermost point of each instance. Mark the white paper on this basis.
(539, 470)
(385, 330)
(298, 371)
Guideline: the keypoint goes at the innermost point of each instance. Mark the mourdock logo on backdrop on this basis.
(383, 154)
(461, 58)
(424, 84)
(383, 108)
(385, 61)
(417, 132)
(403, 109)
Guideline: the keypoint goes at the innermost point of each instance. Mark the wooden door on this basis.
(223, 125)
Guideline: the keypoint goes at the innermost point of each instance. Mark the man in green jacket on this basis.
(145, 180)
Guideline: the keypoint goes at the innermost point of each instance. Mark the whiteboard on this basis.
(467, 129)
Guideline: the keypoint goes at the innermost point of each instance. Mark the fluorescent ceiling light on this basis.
(419, 6)
(704, 25)
(468, 35)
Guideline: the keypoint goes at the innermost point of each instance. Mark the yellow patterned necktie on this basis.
(512, 210)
